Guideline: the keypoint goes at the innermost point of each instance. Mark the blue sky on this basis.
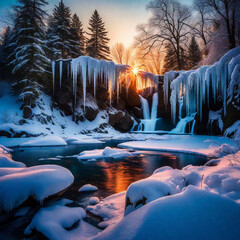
(121, 16)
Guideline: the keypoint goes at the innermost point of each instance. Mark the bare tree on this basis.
(228, 11)
(118, 52)
(168, 25)
(152, 61)
(202, 22)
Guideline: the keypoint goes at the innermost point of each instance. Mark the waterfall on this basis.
(148, 123)
(182, 124)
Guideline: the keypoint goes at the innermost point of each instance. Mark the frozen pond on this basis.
(109, 175)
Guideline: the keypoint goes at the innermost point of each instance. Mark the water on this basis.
(110, 176)
(148, 124)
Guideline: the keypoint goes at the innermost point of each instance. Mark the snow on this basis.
(107, 152)
(94, 200)
(6, 161)
(54, 221)
(82, 140)
(45, 141)
(39, 182)
(110, 209)
(88, 188)
(193, 213)
(201, 145)
(233, 131)
(215, 116)
(164, 182)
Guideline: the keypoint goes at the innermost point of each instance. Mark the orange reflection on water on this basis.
(119, 175)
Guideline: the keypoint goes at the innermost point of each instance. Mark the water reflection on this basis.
(111, 176)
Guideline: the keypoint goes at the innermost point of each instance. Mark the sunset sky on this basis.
(121, 16)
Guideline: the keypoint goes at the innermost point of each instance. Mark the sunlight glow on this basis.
(135, 70)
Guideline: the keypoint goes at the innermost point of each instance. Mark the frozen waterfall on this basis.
(148, 123)
(90, 70)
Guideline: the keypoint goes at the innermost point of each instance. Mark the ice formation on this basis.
(148, 123)
(113, 76)
(197, 87)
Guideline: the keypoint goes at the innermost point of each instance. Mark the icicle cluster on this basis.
(194, 87)
(110, 74)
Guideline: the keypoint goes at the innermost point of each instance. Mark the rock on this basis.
(133, 99)
(121, 121)
(90, 113)
(137, 112)
(27, 112)
(22, 121)
(4, 133)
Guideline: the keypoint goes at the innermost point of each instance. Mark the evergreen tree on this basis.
(97, 45)
(29, 62)
(6, 49)
(194, 53)
(77, 36)
(62, 38)
(171, 59)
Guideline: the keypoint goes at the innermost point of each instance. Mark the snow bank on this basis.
(54, 223)
(107, 152)
(193, 213)
(164, 182)
(233, 131)
(88, 188)
(202, 145)
(6, 161)
(39, 182)
(222, 178)
(110, 209)
(83, 140)
(47, 141)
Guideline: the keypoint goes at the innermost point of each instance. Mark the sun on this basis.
(135, 70)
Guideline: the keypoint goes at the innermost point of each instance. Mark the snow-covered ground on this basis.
(202, 145)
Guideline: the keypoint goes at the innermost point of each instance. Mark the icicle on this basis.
(53, 73)
(84, 63)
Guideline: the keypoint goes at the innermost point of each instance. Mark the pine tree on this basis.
(194, 53)
(171, 60)
(97, 45)
(6, 49)
(62, 38)
(78, 39)
(29, 64)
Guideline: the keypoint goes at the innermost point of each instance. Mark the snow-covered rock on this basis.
(88, 188)
(164, 182)
(94, 200)
(193, 213)
(233, 131)
(45, 142)
(107, 152)
(53, 222)
(39, 182)
(110, 209)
